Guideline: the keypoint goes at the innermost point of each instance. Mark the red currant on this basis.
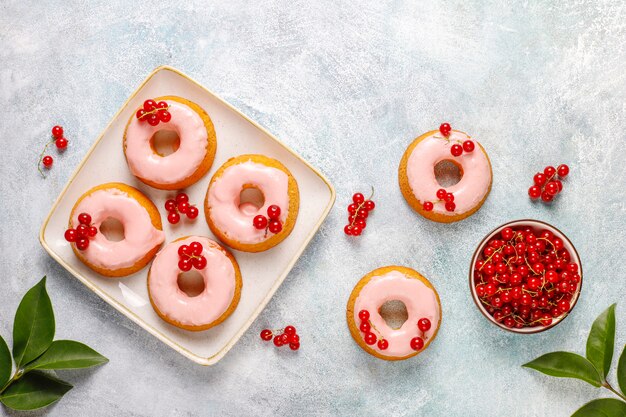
(507, 233)
(182, 207)
(140, 113)
(417, 343)
(165, 116)
(57, 131)
(549, 171)
(423, 324)
(71, 235)
(266, 334)
(162, 105)
(170, 205)
(445, 129)
(383, 344)
(294, 338)
(82, 243)
(182, 198)
(358, 198)
(356, 230)
(534, 192)
(364, 315)
(546, 197)
(428, 206)
(294, 346)
(539, 179)
(192, 212)
(441, 194)
(199, 263)
(92, 231)
(275, 226)
(149, 105)
(196, 248)
(348, 230)
(82, 230)
(563, 306)
(173, 217)
(369, 205)
(61, 143)
(562, 170)
(352, 208)
(260, 222)
(84, 218)
(289, 330)
(468, 146)
(450, 206)
(47, 161)
(456, 150)
(185, 265)
(449, 197)
(273, 212)
(278, 340)
(365, 327)
(370, 338)
(552, 188)
(153, 119)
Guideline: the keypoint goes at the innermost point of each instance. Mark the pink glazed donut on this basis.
(232, 220)
(391, 283)
(419, 185)
(188, 163)
(219, 298)
(143, 234)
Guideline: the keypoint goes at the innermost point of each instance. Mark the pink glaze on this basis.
(235, 221)
(468, 192)
(208, 306)
(420, 302)
(177, 166)
(140, 236)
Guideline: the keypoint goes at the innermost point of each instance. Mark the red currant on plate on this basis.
(266, 334)
(445, 129)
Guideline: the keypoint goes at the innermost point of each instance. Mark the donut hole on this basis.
(448, 173)
(112, 229)
(251, 199)
(394, 313)
(165, 142)
(191, 283)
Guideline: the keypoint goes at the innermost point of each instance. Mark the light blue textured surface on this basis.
(347, 85)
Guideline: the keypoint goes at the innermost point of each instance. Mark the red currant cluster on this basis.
(180, 205)
(547, 185)
(458, 148)
(191, 256)
(525, 278)
(271, 222)
(83, 232)
(61, 144)
(154, 112)
(357, 213)
(282, 337)
(443, 197)
(366, 326)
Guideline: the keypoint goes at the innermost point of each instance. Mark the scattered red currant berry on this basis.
(423, 324)
(273, 212)
(534, 192)
(57, 131)
(445, 129)
(47, 161)
(562, 170)
(170, 205)
(84, 218)
(450, 206)
(456, 150)
(266, 334)
(428, 206)
(275, 226)
(82, 243)
(383, 344)
(61, 143)
(364, 315)
(441, 194)
(278, 341)
(370, 338)
(468, 146)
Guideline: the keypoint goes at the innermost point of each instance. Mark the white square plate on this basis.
(262, 272)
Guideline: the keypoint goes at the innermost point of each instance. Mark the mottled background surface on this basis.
(347, 86)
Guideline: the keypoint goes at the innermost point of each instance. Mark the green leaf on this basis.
(621, 371)
(67, 354)
(600, 342)
(33, 328)
(604, 407)
(5, 363)
(566, 365)
(34, 390)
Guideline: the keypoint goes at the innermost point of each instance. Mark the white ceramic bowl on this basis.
(536, 225)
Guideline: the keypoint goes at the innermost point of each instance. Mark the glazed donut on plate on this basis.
(391, 283)
(143, 233)
(419, 185)
(217, 301)
(233, 222)
(187, 164)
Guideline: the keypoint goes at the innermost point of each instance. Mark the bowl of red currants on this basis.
(525, 276)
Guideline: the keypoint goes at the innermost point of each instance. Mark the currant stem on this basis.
(156, 110)
(41, 157)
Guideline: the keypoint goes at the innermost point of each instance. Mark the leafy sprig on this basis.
(593, 369)
(36, 355)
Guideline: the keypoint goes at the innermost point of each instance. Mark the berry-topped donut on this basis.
(370, 330)
(252, 226)
(221, 278)
(419, 184)
(143, 234)
(196, 145)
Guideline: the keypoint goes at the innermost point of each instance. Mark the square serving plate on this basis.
(262, 272)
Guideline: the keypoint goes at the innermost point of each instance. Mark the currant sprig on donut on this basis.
(459, 146)
(60, 142)
(179, 205)
(154, 113)
(370, 331)
(548, 184)
(358, 212)
(191, 256)
(526, 278)
(417, 343)
(442, 197)
(83, 232)
(270, 223)
(282, 337)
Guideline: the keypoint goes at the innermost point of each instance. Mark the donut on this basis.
(419, 185)
(392, 283)
(232, 221)
(143, 233)
(217, 301)
(187, 164)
